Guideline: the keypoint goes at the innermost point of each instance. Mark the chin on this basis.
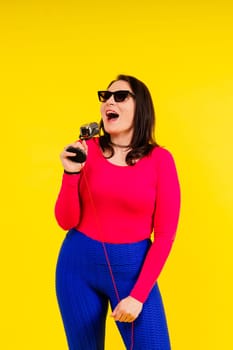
(112, 130)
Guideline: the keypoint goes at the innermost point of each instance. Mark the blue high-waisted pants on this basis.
(84, 287)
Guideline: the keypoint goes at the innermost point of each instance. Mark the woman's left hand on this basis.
(127, 310)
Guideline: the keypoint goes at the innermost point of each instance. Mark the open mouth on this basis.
(112, 115)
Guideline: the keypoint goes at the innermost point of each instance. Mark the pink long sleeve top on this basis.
(123, 204)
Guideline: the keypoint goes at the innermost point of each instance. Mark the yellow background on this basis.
(55, 55)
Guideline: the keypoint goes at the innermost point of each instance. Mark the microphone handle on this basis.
(80, 156)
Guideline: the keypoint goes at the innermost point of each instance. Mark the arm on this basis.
(165, 225)
(67, 208)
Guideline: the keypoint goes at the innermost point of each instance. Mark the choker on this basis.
(120, 146)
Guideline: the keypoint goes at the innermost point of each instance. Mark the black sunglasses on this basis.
(119, 96)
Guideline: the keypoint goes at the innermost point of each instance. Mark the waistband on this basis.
(91, 250)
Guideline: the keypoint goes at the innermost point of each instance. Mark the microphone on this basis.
(87, 131)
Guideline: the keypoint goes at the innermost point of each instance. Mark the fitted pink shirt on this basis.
(123, 204)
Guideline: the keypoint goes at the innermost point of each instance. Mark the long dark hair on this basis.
(143, 140)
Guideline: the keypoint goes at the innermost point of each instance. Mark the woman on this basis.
(126, 189)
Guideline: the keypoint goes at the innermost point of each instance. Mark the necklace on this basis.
(120, 146)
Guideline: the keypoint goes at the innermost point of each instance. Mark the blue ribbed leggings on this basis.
(84, 288)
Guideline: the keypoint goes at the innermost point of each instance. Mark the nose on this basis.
(111, 100)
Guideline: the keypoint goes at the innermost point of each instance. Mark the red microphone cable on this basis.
(106, 254)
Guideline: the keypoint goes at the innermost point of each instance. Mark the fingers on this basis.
(127, 310)
(84, 144)
(78, 145)
(123, 317)
(68, 164)
(126, 318)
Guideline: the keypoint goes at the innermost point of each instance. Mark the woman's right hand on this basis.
(67, 163)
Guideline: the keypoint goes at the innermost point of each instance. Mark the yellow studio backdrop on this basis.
(55, 55)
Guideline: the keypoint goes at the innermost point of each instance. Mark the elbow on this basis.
(66, 223)
(65, 219)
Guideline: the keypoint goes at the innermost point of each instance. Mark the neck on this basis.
(121, 141)
(119, 145)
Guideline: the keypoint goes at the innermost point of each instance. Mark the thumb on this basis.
(84, 145)
(113, 314)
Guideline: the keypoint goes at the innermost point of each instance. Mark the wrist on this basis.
(135, 299)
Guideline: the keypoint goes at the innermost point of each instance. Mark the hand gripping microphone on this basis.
(87, 131)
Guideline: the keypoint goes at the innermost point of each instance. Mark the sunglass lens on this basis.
(104, 95)
(120, 96)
